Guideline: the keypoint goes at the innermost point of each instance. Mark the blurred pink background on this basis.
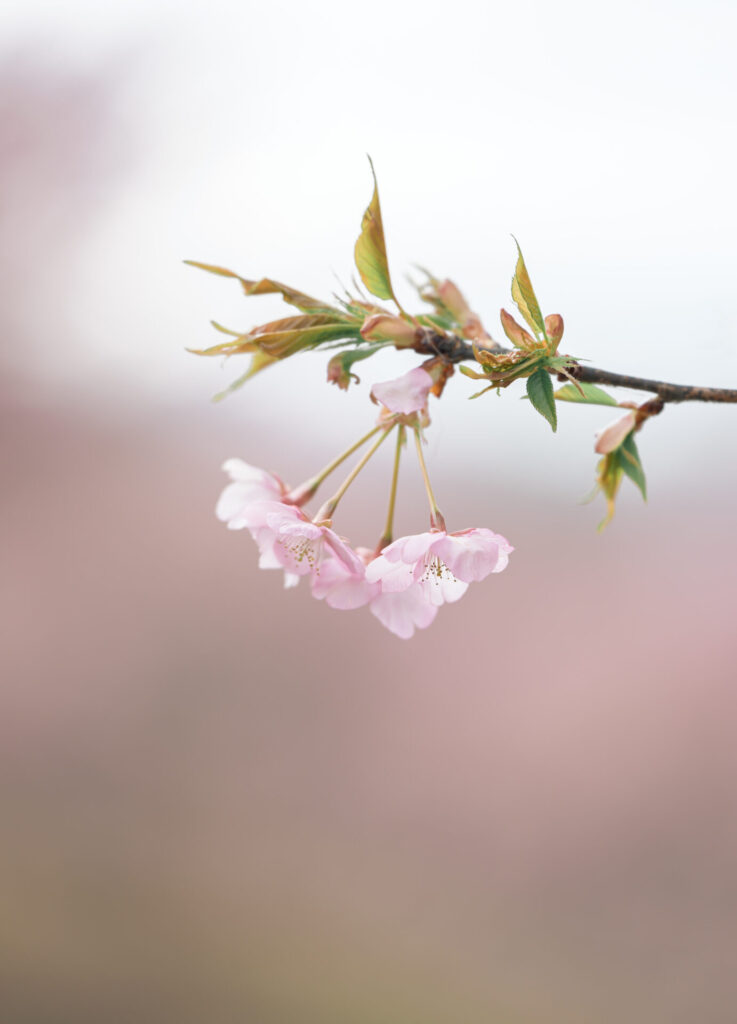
(225, 802)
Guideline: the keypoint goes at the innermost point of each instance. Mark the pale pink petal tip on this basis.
(248, 484)
(612, 435)
(406, 394)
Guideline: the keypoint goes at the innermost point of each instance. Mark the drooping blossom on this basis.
(287, 539)
(439, 564)
(344, 588)
(248, 484)
(406, 394)
(612, 435)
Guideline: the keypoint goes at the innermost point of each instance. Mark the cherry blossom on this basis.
(406, 394)
(439, 564)
(345, 588)
(248, 484)
(286, 538)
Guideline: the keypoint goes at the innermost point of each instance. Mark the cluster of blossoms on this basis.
(404, 581)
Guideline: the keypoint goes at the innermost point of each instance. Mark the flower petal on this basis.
(402, 613)
(406, 394)
(470, 555)
(341, 588)
(393, 576)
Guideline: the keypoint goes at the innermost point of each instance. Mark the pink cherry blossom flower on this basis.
(406, 394)
(288, 539)
(345, 588)
(248, 484)
(612, 435)
(440, 564)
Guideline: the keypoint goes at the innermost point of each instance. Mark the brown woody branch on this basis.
(456, 350)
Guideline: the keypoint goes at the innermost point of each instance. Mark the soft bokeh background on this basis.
(222, 802)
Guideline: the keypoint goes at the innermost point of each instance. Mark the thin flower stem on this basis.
(326, 512)
(436, 517)
(301, 494)
(388, 534)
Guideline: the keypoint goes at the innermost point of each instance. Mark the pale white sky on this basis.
(603, 136)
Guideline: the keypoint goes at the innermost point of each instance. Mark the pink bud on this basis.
(612, 435)
(385, 327)
(554, 327)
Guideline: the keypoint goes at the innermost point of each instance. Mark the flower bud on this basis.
(385, 327)
(611, 436)
(554, 328)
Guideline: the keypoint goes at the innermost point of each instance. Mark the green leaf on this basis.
(591, 394)
(524, 295)
(370, 249)
(540, 393)
(629, 459)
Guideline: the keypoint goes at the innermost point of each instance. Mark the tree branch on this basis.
(456, 350)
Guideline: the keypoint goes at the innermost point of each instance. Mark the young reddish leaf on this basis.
(524, 295)
(385, 327)
(212, 269)
(283, 344)
(454, 301)
(266, 287)
(282, 338)
(370, 249)
(613, 434)
(451, 308)
(516, 334)
(290, 295)
(554, 329)
(299, 323)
